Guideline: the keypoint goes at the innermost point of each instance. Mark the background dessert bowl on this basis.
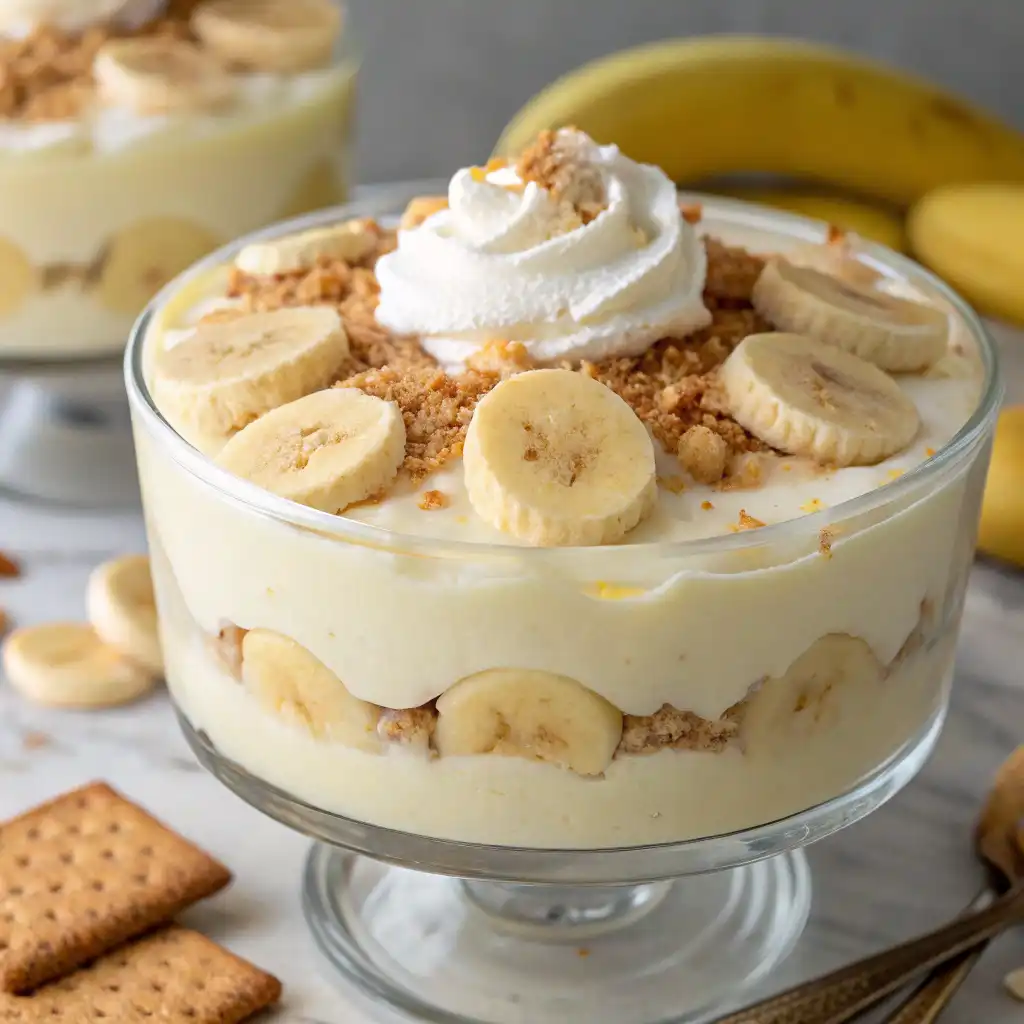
(796, 659)
(102, 206)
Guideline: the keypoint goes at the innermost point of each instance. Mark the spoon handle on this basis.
(843, 994)
(934, 994)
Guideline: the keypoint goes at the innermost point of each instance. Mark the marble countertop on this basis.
(906, 869)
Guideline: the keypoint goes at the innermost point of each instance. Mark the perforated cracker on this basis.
(174, 976)
(82, 874)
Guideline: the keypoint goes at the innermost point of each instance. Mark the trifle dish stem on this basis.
(562, 564)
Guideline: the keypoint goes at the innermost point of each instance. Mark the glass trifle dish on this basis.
(136, 136)
(563, 537)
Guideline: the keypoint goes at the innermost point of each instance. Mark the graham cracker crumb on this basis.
(9, 567)
(409, 727)
(748, 522)
(703, 454)
(707, 506)
(436, 409)
(836, 235)
(732, 274)
(430, 501)
(825, 540)
(35, 740)
(552, 164)
(504, 358)
(692, 213)
(670, 728)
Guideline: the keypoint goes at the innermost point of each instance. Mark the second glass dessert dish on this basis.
(562, 562)
(136, 136)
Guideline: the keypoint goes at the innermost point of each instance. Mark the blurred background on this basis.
(440, 78)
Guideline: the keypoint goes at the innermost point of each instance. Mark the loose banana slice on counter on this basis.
(228, 373)
(895, 334)
(555, 458)
(122, 610)
(531, 714)
(327, 450)
(269, 35)
(808, 398)
(160, 76)
(66, 664)
(351, 241)
(290, 682)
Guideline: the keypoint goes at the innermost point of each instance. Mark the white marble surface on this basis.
(904, 870)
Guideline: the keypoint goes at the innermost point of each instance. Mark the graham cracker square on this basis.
(174, 976)
(82, 874)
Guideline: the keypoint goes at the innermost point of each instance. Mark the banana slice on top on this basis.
(351, 242)
(228, 373)
(554, 457)
(895, 334)
(291, 682)
(531, 714)
(269, 35)
(160, 76)
(808, 398)
(66, 664)
(327, 450)
(122, 609)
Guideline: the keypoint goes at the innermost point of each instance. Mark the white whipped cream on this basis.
(508, 262)
(20, 18)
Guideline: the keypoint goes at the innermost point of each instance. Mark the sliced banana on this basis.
(327, 450)
(293, 684)
(269, 35)
(66, 664)
(554, 457)
(142, 257)
(122, 610)
(228, 373)
(158, 75)
(531, 714)
(807, 699)
(351, 242)
(836, 258)
(895, 334)
(808, 398)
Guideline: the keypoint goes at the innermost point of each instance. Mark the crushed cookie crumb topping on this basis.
(552, 164)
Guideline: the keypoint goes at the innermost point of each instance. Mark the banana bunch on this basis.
(708, 108)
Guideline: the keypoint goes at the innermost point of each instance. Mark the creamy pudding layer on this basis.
(109, 188)
(608, 695)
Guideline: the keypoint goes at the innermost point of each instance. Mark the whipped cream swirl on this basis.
(513, 262)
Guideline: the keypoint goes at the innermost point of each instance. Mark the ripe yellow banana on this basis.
(971, 236)
(726, 104)
(873, 222)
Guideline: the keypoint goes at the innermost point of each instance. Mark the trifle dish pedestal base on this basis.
(462, 933)
(65, 433)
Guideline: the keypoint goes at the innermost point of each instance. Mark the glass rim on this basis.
(387, 205)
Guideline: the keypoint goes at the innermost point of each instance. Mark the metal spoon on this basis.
(844, 994)
(999, 842)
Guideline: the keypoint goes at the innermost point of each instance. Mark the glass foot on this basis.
(65, 437)
(456, 952)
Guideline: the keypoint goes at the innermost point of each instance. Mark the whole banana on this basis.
(727, 104)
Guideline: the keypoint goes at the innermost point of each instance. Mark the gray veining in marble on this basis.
(904, 870)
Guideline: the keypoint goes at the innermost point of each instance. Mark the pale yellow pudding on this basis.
(132, 143)
(650, 565)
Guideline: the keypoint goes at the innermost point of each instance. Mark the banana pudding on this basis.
(561, 516)
(138, 135)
